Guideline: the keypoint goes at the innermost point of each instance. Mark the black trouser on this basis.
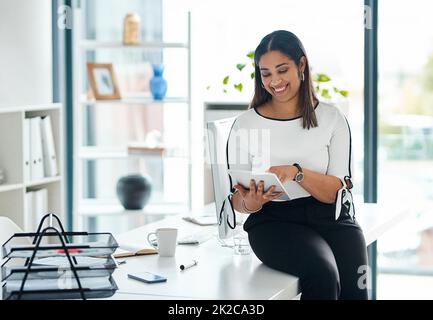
(301, 237)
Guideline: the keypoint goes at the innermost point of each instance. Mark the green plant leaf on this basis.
(344, 93)
(226, 80)
(240, 66)
(321, 77)
(250, 55)
(325, 94)
(253, 64)
(208, 87)
(336, 90)
(225, 90)
(238, 87)
(252, 75)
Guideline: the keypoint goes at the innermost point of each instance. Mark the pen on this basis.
(189, 265)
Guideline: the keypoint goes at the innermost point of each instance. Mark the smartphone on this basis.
(147, 277)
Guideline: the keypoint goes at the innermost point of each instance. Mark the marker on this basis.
(189, 265)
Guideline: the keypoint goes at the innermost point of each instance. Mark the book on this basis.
(137, 149)
(129, 250)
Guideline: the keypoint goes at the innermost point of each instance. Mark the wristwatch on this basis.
(300, 175)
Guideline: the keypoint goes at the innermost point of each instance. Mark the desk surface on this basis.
(220, 274)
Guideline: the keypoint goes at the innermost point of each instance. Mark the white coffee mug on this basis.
(166, 241)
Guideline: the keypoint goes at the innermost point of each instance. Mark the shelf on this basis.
(94, 44)
(95, 153)
(94, 208)
(135, 100)
(32, 108)
(142, 150)
(43, 181)
(14, 138)
(10, 187)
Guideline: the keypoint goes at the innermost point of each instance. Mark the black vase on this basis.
(134, 191)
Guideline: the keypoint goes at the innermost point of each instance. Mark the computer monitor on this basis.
(217, 135)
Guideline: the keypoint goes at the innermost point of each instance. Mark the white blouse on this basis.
(257, 142)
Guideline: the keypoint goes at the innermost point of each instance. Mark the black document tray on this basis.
(80, 244)
(15, 269)
(69, 278)
(56, 294)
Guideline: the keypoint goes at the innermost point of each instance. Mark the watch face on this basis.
(299, 177)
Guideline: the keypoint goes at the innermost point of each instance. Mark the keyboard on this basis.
(195, 238)
(202, 220)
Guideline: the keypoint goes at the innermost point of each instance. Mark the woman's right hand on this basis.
(255, 197)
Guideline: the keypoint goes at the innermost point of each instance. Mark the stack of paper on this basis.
(66, 281)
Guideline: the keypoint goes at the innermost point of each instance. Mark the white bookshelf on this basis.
(84, 153)
(12, 142)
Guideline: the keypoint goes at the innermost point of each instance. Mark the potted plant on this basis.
(323, 84)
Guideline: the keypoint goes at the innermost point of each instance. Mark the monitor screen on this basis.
(218, 133)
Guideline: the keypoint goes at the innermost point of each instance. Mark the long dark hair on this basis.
(288, 44)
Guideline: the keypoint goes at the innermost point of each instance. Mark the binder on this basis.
(40, 206)
(48, 148)
(26, 150)
(36, 166)
(28, 222)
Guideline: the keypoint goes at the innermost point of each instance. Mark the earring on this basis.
(302, 77)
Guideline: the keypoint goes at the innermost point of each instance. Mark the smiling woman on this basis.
(283, 78)
(308, 147)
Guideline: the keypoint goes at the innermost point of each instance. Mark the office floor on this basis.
(404, 287)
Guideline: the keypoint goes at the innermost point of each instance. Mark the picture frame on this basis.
(103, 82)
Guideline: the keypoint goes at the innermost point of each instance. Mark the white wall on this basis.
(25, 52)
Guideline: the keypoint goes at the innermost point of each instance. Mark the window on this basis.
(332, 33)
(405, 155)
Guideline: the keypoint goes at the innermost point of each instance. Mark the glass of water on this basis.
(241, 243)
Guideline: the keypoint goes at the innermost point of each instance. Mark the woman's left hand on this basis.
(284, 173)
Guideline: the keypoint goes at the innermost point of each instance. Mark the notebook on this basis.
(132, 250)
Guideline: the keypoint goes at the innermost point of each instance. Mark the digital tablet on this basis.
(243, 178)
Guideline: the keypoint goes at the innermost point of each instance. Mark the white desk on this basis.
(220, 274)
